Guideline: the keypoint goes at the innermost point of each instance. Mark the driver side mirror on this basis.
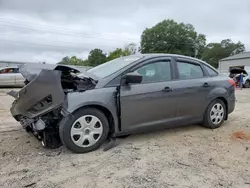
(133, 78)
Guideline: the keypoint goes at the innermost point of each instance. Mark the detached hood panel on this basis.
(46, 88)
(42, 94)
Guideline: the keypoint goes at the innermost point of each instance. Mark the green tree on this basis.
(213, 52)
(73, 61)
(96, 57)
(119, 52)
(115, 54)
(65, 61)
(169, 36)
(85, 62)
(130, 49)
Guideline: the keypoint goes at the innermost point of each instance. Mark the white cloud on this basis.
(49, 30)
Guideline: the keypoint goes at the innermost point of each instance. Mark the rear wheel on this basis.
(85, 130)
(215, 114)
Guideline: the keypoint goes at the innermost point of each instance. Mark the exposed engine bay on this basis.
(38, 104)
(71, 81)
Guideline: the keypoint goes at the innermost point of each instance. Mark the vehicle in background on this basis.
(235, 75)
(11, 77)
(127, 95)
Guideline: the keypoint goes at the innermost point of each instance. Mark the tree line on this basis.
(167, 36)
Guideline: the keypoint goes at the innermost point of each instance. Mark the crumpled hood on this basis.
(30, 72)
(46, 87)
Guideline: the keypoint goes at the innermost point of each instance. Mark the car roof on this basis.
(149, 55)
(152, 55)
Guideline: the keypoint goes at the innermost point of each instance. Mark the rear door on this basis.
(151, 103)
(193, 87)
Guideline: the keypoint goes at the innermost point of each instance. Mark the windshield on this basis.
(113, 66)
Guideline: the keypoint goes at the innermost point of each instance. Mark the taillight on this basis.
(231, 81)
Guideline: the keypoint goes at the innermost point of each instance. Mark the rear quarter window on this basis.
(210, 71)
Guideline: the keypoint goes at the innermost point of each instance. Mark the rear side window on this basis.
(210, 71)
(189, 70)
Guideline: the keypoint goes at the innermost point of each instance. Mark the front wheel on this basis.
(84, 131)
(215, 114)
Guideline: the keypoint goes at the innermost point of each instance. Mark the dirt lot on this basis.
(185, 157)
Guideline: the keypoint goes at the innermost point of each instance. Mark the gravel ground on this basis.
(191, 156)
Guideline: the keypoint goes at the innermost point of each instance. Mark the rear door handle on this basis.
(205, 85)
(167, 89)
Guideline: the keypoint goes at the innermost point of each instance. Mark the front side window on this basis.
(155, 72)
(189, 70)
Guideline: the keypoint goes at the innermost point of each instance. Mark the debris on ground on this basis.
(4, 153)
(29, 185)
(241, 135)
(183, 164)
(53, 154)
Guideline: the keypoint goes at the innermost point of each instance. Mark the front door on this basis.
(152, 102)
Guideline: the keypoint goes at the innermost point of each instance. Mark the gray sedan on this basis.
(124, 96)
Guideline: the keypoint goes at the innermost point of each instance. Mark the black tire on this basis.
(67, 123)
(207, 122)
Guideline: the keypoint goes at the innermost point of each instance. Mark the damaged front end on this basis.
(37, 106)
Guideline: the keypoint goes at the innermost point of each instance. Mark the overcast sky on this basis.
(47, 30)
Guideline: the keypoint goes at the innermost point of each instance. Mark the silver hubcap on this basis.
(217, 113)
(86, 131)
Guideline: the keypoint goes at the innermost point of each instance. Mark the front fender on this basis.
(104, 97)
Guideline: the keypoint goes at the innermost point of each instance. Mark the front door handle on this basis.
(167, 89)
(205, 85)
